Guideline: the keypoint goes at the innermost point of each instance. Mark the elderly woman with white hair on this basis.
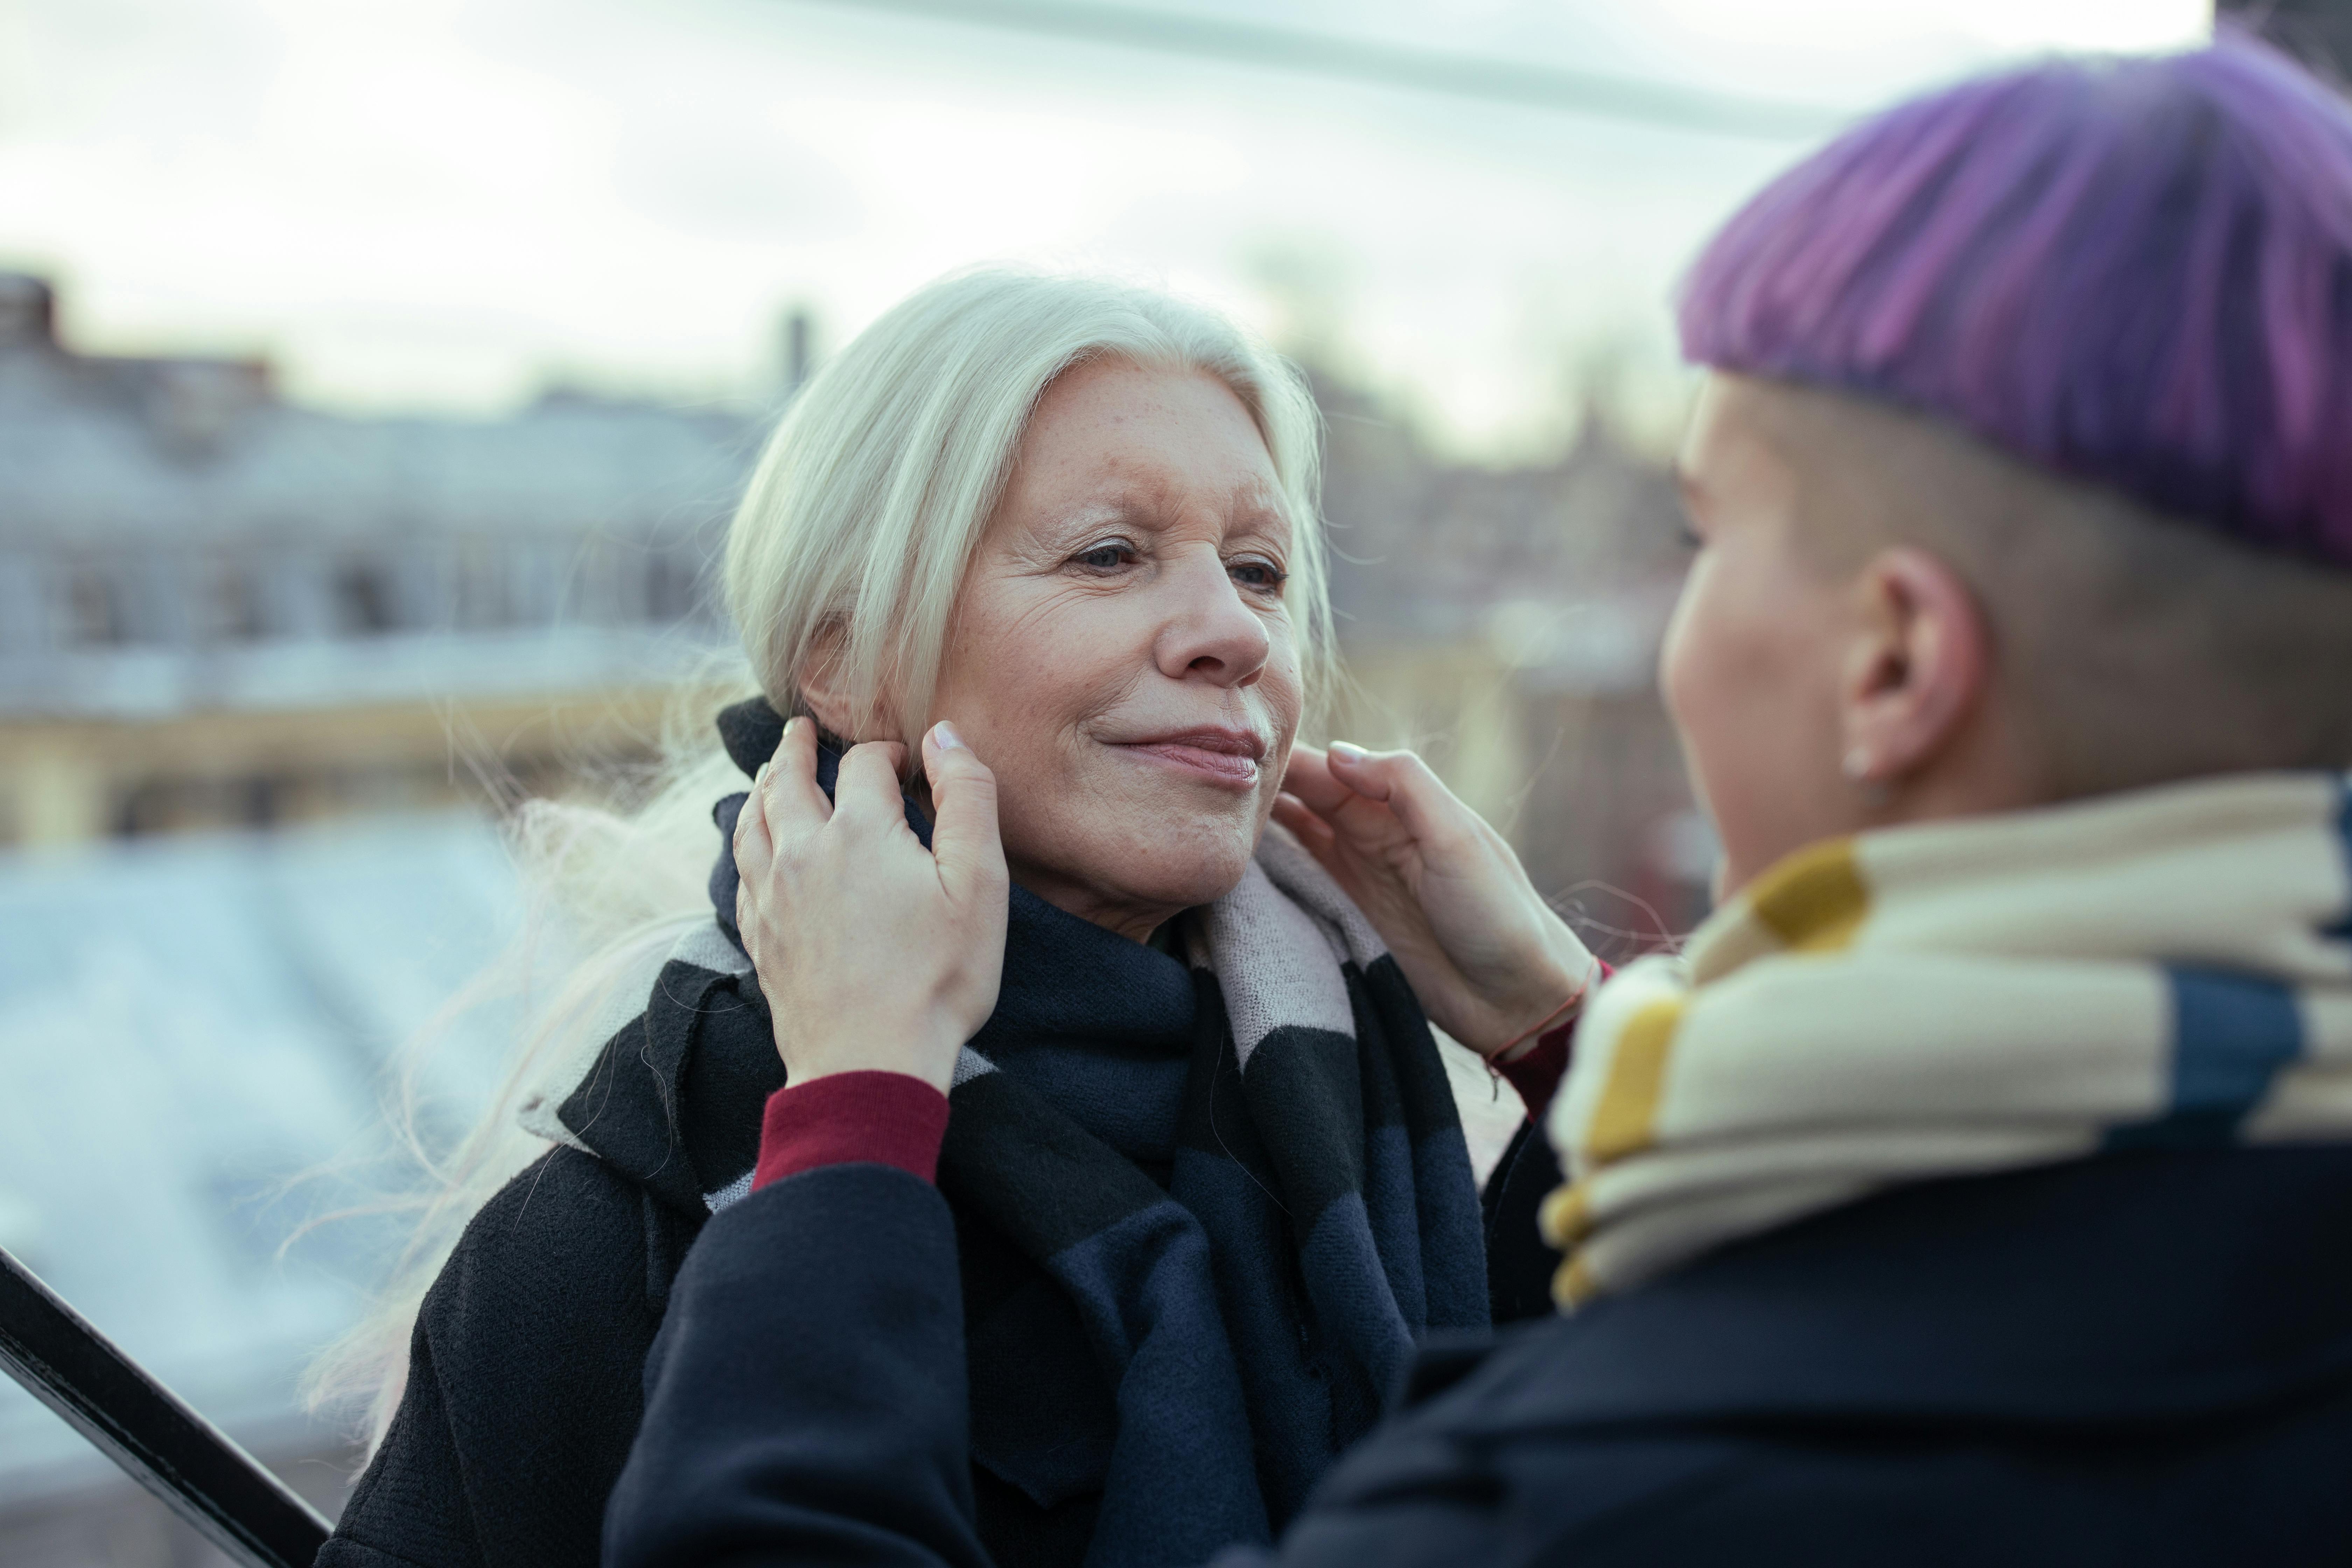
(1208, 1183)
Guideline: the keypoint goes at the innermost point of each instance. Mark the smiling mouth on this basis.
(1220, 758)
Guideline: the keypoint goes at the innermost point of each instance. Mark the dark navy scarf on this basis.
(1242, 1175)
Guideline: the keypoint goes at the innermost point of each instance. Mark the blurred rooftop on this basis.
(218, 608)
(173, 536)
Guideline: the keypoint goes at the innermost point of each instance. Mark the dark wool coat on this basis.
(527, 1363)
(2142, 1359)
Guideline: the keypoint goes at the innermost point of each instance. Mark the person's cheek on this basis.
(1697, 675)
(1684, 676)
(1284, 687)
(1280, 691)
(1015, 673)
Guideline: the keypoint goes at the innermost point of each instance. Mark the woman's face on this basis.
(1122, 654)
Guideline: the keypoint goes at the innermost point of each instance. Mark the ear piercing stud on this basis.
(1859, 771)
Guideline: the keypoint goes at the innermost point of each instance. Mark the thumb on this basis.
(1402, 781)
(1309, 777)
(964, 840)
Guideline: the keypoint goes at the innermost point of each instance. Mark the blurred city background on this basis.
(377, 381)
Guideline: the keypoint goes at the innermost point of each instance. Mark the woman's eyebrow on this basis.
(1089, 516)
(1252, 506)
(1251, 509)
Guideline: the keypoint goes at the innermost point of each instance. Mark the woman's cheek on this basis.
(1284, 689)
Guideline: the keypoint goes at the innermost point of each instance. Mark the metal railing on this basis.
(219, 1489)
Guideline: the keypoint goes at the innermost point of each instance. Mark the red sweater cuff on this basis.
(852, 1117)
(1537, 1075)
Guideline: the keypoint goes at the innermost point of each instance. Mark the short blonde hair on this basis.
(871, 497)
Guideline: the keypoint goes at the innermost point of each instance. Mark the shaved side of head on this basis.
(2136, 649)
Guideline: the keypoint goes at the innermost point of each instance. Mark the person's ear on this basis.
(1918, 667)
(822, 686)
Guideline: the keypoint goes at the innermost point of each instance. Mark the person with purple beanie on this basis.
(1974, 1185)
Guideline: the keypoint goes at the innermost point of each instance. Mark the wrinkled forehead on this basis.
(1112, 442)
(1112, 407)
(1151, 501)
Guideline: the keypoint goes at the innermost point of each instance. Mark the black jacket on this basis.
(2140, 1359)
(526, 1377)
(528, 1359)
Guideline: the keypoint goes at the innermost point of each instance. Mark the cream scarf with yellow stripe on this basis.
(2168, 967)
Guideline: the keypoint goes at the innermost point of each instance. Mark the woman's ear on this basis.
(1916, 673)
(823, 689)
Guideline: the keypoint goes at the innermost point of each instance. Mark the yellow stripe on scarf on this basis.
(1572, 1284)
(1815, 899)
(1564, 1216)
(1626, 1118)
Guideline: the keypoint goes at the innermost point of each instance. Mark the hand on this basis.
(874, 953)
(1487, 957)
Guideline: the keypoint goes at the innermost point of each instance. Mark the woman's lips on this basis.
(1227, 761)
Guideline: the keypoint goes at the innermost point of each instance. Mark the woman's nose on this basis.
(1210, 631)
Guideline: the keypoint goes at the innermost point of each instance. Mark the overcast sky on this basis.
(440, 205)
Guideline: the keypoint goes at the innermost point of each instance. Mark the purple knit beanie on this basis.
(2135, 271)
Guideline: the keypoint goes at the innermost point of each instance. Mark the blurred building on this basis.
(217, 609)
(2317, 32)
(1506, 623)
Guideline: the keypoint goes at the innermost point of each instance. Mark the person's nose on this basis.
(1210, 631)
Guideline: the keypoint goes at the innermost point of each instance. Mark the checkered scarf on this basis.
(1241, 1171)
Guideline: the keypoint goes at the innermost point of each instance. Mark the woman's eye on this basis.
(1105, 557)
(1259, 573)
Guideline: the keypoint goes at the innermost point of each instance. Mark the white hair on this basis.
(856, 528)
(868, 502)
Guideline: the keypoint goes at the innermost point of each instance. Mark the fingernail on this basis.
(944, 736)
(761, 777)
(1348, 750)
